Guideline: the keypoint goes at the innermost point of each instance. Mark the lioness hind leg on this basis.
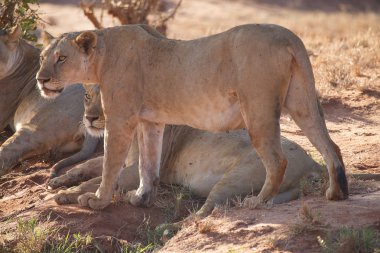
(303, 105)
(21, 145)
(318, 136)
(287, 196)
(264, 131)
(236, 181)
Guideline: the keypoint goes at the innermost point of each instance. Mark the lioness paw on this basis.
(335, 194)
(146, 199)
(62, 199)
(255, 202)
(89, 199)
(54, 183)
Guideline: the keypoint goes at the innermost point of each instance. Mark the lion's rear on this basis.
(303, 105)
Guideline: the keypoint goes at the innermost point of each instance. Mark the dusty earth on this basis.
(344, 45)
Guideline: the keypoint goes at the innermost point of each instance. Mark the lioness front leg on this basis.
(80, 173)
(150, 147)
(117, 140)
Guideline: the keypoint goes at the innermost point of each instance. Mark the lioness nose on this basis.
(91, 118)
(43, 80)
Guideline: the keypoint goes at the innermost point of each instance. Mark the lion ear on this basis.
(46, 38)
(15, 33)
(86, 41)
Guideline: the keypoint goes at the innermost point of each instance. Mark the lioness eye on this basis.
(61, 58)
(41, 58)
(87, 96)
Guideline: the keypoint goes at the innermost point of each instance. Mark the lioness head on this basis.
(93, 118)
(66, 60)
(8, 50)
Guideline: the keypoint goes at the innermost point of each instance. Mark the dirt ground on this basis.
(343, 40)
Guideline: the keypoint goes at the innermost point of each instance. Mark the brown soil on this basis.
(278, 229)
(343, 41)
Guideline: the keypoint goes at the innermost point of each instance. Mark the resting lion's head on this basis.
(66, 60)
(9, 52)
(93, 117)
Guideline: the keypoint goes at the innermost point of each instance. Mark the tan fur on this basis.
(40, 125)
(243, 77)
(217, 166)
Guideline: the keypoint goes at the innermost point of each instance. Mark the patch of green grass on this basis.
(364, 240)
(33, 236)
(138, 248)
(150, 237)
(72, 243)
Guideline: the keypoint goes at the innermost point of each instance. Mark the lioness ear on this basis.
(86, 41)
(46, 38)
(15, 33)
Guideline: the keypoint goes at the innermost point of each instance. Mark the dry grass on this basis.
(357, 186)
(350, 240)
(308, 215)
(205, 226)
(309, 222)
(344, 47)
(32, 235)
(177, 202)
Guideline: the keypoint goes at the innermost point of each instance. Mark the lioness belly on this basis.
(218, 114)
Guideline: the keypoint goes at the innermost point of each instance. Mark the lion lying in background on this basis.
(40, 125)
(216, 166)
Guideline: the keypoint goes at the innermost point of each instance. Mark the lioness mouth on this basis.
(50, 91)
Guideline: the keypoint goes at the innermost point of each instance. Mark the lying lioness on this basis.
(217, 166)
(241, 78)
(39, 125)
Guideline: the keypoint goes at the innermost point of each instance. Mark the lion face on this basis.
(93, 118)
(65, 61)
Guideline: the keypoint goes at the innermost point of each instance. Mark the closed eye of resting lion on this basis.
(217, 166)
(241, 78)
(39, 125)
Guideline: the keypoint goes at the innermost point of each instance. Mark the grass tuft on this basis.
(363, 240)
(33, 236)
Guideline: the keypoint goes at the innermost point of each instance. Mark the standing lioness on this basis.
(240, 78)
